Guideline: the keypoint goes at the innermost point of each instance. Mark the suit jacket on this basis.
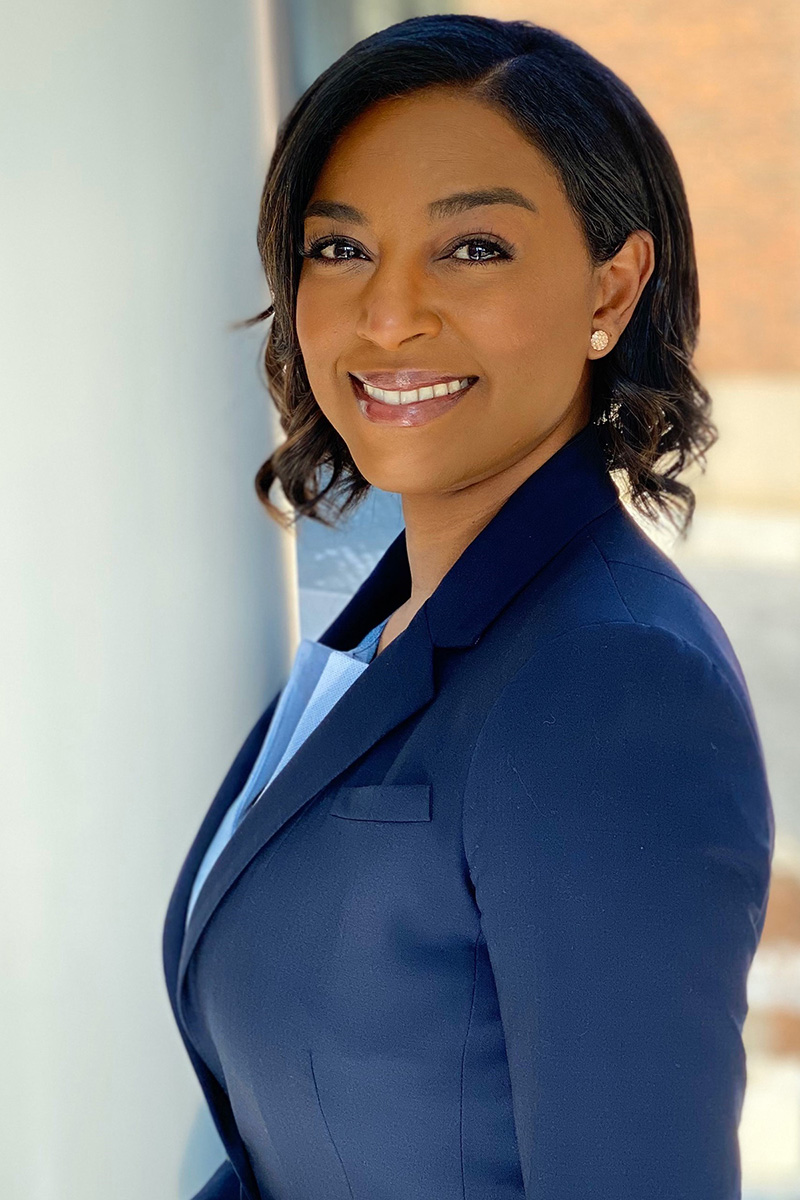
(487, 935)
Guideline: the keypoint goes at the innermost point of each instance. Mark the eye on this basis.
(499, 252)
(490, 246)
(323, 243)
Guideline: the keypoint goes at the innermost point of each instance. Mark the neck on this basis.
(439, 527)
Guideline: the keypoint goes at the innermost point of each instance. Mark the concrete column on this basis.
(148, 604)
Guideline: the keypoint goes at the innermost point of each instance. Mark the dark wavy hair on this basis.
(619, 175)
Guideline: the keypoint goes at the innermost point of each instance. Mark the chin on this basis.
(394, 473)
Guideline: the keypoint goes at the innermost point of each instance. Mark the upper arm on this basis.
(618, 829)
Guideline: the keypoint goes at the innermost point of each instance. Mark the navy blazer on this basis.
(487, 934)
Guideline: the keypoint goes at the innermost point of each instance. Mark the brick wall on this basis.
(721, 80)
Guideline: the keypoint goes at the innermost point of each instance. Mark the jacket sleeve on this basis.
(223, 1185)
(619, 833)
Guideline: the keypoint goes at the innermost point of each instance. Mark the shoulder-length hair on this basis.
(619, 175)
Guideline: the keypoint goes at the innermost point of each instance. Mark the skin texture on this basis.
(399, 291)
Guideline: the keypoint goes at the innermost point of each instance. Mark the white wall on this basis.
(148, 604)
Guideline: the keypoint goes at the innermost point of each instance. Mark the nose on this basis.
(395, 308)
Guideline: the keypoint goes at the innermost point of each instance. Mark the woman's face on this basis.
(504, 292)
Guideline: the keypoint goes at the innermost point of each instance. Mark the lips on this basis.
(409, 413)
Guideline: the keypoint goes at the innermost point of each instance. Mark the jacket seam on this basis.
(614, 583)
(327, 1126)
(650, 571)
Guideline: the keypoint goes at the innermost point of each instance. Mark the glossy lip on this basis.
(406, 414)
(405, 380)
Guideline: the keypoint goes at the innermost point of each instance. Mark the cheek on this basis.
(536, 321)
(307, 320)
(508, 333)
(315, 318)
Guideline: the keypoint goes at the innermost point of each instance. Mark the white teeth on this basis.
(415, 394)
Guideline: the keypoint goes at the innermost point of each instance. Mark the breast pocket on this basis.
(383, 802)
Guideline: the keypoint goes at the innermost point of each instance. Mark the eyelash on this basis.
(314, 250)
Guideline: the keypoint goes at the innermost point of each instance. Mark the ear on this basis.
(620, 283)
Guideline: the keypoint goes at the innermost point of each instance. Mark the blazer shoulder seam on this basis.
(622, 562)
(614, 583)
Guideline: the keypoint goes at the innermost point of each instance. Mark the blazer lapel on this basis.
(552, 505)
(397, 683)
(384, 590)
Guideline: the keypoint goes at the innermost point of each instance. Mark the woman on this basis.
(477, 926)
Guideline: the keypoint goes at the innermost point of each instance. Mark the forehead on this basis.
(431, 143)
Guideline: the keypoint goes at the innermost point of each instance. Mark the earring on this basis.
(599, 339)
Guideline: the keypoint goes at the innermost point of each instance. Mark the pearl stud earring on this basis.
(599, 339)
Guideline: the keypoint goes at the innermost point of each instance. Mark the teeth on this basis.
(416, 394)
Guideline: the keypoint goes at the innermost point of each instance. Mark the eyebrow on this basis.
(448, 206)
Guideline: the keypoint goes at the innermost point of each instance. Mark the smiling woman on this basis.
(479, 283)
(472, 913)
(484, 200)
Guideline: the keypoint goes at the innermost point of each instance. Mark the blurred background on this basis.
(151, 607)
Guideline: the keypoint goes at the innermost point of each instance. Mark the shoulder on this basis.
(652, 591)
(613, 573)
(614, 644)
(621, 676)
(623, 728)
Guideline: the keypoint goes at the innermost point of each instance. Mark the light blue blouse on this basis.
(319, 676)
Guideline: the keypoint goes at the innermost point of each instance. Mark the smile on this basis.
(416, 406)
(414, 395)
